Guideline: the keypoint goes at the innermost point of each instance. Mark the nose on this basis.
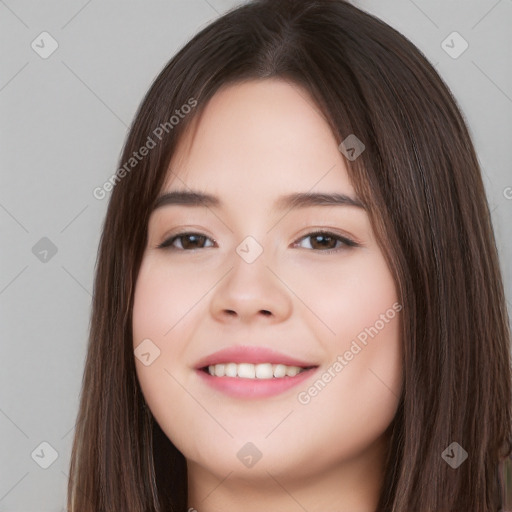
(250, 292)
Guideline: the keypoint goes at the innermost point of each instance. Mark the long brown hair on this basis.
(420, 180)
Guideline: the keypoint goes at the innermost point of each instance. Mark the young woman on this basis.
(298, 303)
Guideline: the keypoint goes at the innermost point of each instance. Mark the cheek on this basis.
(164, 312)
(361, 383)
(347, 296)
(357, 392)
(355, 408)
(369, 307)
(163, 300)
(163, 317)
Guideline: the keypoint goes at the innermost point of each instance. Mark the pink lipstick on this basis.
(253, 372)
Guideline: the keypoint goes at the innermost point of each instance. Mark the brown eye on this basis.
(187, 241)
(328, 242)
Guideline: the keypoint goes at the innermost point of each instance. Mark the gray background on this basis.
(63, 122)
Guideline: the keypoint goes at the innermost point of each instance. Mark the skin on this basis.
(255, 142)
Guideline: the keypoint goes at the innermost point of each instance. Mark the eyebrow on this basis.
(289, 201)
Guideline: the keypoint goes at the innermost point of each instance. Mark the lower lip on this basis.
(254, 388)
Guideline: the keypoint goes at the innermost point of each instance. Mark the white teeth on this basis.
(291, 371)
(244, 370)
(264, 371)
(279, 370)
(230, 370)
(219, 370)
(254, 371)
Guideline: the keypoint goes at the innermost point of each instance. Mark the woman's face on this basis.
(254, 275)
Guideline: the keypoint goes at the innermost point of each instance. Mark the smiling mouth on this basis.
(259, 371)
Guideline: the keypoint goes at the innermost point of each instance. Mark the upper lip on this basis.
(251, 354)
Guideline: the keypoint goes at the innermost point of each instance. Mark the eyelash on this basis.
(347, 242)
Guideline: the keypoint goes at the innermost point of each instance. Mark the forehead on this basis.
(257, 137)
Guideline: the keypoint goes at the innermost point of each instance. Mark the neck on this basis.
(351, 486)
